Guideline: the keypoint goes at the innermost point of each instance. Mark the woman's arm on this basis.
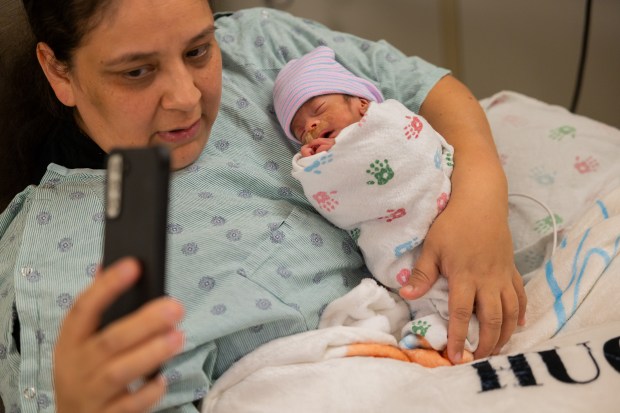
(470, 242)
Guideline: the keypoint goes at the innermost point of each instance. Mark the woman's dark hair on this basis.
(32, 119)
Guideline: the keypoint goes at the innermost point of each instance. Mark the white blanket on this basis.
(385, 179)
(528, 382)
(567, 358)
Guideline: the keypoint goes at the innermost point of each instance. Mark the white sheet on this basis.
(562, 159)
(567, 358)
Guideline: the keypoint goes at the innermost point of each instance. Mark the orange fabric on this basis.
(375, 350)
(427, 357)
(424, 357)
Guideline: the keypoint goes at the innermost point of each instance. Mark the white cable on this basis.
(553, 221)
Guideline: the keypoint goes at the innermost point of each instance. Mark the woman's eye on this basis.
(198, 52)
(137, 73)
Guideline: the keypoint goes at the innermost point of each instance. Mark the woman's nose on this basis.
(181, 92)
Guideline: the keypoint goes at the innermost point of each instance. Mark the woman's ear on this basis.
(57, 74)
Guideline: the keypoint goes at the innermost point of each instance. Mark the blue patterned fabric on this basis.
(248, 256)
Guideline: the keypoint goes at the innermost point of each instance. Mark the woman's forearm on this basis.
(456, 114)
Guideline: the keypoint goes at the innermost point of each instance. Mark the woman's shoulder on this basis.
(260, 17)
(16, 207)
(269, 38)
(59, 185)
(265, 37)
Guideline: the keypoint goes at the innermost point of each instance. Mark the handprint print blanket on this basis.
(385, 180)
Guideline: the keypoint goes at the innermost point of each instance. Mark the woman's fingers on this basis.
(490, 317)
(510, 317)
(85, 315)
(141, 400)
(138, 362)
(514, 303)
(497, 317)
(154, 318)
(517, 282)
(460, 307)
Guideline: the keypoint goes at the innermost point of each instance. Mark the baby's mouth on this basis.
(324, 133)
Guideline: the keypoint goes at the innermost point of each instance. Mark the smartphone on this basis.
(136, 210)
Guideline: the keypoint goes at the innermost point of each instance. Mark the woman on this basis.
(242, 237)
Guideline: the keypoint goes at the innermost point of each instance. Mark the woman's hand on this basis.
(474, 251)
(93, 369)
(470, 243)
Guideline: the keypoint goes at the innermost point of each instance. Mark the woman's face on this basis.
(150, 73)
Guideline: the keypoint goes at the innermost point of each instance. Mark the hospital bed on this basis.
(566, 358)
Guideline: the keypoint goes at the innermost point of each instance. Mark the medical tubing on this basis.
(551, 214)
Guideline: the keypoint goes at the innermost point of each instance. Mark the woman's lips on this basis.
(179, 135)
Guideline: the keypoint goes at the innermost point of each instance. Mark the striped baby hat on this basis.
(314, 74)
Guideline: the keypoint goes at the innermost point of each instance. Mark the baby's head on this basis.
(316, 96)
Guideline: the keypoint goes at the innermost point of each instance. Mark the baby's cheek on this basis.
(320, 127)
(314, 133)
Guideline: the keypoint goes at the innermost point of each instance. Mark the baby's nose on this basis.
(312, 124)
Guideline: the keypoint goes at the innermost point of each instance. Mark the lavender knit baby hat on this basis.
(314, 74)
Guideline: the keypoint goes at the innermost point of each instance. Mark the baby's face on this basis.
(325, 116)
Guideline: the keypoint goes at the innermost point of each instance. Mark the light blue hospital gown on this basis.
(249, 257)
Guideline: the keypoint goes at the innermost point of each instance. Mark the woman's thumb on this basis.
(422, 278)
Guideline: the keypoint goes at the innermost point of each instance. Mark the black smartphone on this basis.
(136, 210)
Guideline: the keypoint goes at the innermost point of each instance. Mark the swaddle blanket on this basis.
(385, 180)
